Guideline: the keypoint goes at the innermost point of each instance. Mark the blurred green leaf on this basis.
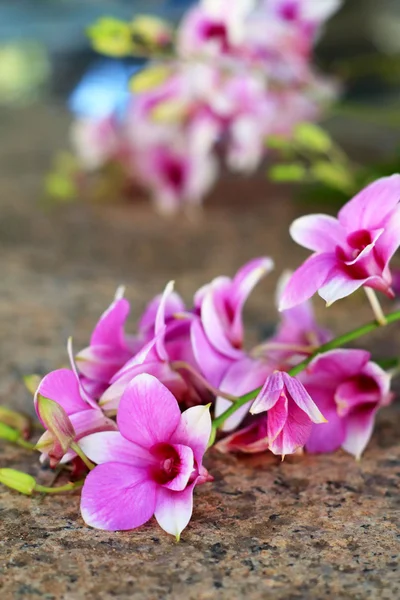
(111, 37)
(333, 175)
(288, 172)
(312, 137)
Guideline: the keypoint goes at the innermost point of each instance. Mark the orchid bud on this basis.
(17, 480)
(8, 433)
(16, 420)
(151, 31)
(60, 432)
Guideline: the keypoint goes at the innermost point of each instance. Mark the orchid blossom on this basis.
(349, 389)
(150, 466)
(291, 413)
(351, 251)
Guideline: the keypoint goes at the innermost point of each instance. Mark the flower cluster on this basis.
(240, 73)
(135, 410)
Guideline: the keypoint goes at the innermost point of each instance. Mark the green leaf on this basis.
(333, 175)
(111, 37)
(278, 142)
(288, 172)
(312, 137)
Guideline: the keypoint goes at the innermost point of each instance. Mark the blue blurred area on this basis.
(103, 89)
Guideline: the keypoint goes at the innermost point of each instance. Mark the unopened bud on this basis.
(9, 433)
(17, 480)
(60, 432)
(15, 420)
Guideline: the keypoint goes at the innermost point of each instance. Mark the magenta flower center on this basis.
(359, 240)
(167, 463)
(289, 11)
(368, 264)
(174, 173)
(215, 31)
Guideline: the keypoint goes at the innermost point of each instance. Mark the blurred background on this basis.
(61, 266)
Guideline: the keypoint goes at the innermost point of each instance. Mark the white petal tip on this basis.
(120, 292)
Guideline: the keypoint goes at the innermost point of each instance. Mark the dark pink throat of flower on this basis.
(216, 31)
(175, 173)
(370, 264)
(290, 10)
(167, 463)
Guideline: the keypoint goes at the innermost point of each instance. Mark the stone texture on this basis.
(309, 528)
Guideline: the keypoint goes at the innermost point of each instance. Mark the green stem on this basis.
(58, 490)
(24, 444)
(76, 448)
(335, 343)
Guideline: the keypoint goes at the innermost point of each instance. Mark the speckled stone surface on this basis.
(309, 528)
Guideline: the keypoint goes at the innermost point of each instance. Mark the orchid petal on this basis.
(212, 363)
(339, 286)
(243, 283)
(160, 322)
(331, 368)
(143, 400)
(62, 387)
(389, 242)
(307, 279)
(110, 446)
(117, 497)
(361, 212)
(302, 398)
(269, 394)
(101, 362)
(174, 509)
(251, 439)
(277, 418)
(194, 430)
(186, 466)
(359, 427)
(294, 434)
(173, 303)
(109, 330)
(326, 437)
(320, 233)
(214, 326)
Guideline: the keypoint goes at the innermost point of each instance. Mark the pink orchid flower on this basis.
(64, 388)
(151, 466)
(176, 173)
(95, 140)
(214, 27)
(167, 343)
(250, 439)
(109, 347)
(351, 251)
(291, 413)
(307, 14)
(349, 389)
(220, 306)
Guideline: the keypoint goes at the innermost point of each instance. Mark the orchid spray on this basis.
(132, 418)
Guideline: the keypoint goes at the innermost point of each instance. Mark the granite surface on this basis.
(312, 527)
